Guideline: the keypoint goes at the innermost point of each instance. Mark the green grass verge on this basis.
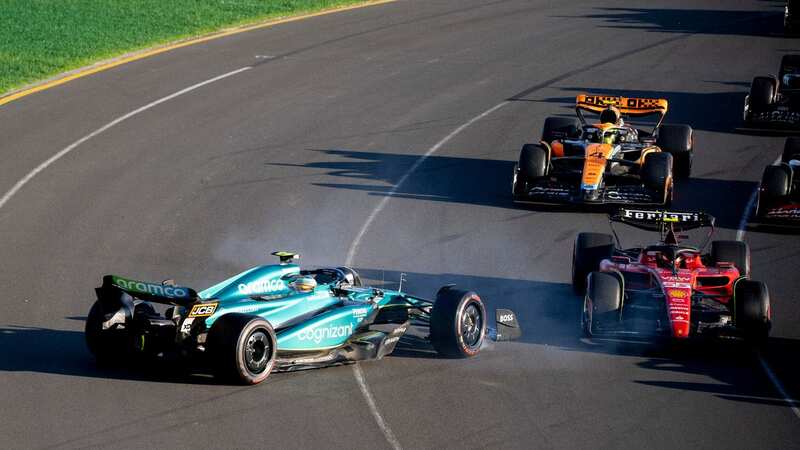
(42, 38)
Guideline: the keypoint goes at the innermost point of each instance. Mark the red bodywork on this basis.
(690, 276)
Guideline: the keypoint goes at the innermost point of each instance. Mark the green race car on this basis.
(280, 318)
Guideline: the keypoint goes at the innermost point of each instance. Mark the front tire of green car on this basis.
(458, 323)
(242, 348)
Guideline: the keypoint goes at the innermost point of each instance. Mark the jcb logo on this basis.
(203, 310)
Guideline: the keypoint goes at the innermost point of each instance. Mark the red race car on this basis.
(668, 289)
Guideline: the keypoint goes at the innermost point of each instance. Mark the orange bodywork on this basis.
(595, 163)
(557, 149)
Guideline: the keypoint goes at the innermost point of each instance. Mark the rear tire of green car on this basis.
(111, 346)
(242, 348)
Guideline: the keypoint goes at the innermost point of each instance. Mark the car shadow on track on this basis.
(439, 178)
(487, 182)
(767, 22)
(549, 314)
(64, 352)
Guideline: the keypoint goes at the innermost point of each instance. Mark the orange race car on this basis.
(609, 161)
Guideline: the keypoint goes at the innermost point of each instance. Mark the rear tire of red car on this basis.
(791, 149)
(603, 302)
(588, 251)
(762, 93)
(559, 128)
(657, 174)
(734, 252)
(458, 323)
(242, 348)
(677, 140)
(751, 310)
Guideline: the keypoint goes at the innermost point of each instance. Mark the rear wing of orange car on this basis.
(628, 106)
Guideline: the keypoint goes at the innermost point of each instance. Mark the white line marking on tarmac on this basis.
(357, 372)
(382, 204)
(779, 386)
(362, 384)
(21, 183)
(776, 383)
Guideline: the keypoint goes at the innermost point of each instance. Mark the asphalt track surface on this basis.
(301, 150)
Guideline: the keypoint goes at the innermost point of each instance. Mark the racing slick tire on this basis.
(458, 323)
(589, 250)
(112, 345)
(751, 309)
(242, 348)
(657, 174)
(762, 94)
(603, 301)
(734, 252)
(791, 149)
(775, 183)
(533, 161)
(677, 141)
(559, 128)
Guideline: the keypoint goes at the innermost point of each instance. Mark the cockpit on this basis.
(603, 134)
(673, 257)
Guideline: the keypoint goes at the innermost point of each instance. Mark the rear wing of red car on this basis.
(657, 220)
(154, 292)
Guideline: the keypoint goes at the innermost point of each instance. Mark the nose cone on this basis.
(679, 309)
(594, 165)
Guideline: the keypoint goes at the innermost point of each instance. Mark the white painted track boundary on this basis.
(66, 150)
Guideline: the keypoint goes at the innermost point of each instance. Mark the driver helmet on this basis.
(610, 137)
(610, 115)
(304, 284)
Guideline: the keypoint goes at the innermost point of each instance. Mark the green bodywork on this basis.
(324, 318)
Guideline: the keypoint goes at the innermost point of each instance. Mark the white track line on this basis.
(382, 204)
(776, 383)
(357, 372)
(21, 183)
(362, 384)
(779, 386)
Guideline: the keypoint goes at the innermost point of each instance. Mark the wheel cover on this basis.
(257, 352)
(472, 326)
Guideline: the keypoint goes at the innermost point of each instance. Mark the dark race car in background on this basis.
(608, 162)
(668, 289)
(774, 101)
(779, 191)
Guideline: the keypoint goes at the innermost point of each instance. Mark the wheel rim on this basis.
(471, 325)
(258, 351)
